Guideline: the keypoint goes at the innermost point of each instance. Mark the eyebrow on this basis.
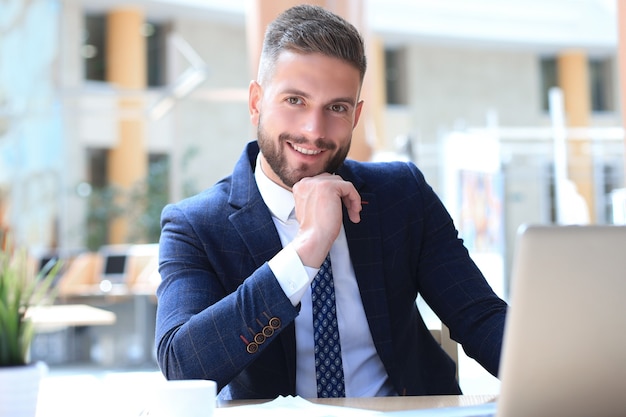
(296, 92)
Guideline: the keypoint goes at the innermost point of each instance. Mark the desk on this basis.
(72, 315)
(389, 403)
(90, 395)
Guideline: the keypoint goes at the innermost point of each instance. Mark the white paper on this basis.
(293, 406)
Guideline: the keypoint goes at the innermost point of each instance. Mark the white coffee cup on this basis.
(182, 398)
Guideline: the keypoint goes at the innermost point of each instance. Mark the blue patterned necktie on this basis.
(328, 366)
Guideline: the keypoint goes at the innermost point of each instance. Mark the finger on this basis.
(352, 201)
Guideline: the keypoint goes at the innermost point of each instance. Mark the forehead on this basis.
(314, 73)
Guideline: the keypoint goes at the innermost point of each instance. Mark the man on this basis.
(238, 261)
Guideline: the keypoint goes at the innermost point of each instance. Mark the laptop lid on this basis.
(564, 351)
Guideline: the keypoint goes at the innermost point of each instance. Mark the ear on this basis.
(357, 113)
(255, 93)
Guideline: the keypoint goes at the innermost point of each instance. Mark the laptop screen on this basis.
(114, 264)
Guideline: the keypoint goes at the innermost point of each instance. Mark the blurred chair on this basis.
(143, 276)
(442, 336)
(80, 275)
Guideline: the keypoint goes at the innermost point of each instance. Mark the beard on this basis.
(274, 153)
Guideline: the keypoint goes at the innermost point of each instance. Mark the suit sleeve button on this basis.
(268, 331)
(274, 323)
(259, 338)
(252, 347)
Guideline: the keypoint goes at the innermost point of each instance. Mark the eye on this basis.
(293, 100)
(338, 108)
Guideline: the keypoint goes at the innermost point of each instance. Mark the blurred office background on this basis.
(110, 109)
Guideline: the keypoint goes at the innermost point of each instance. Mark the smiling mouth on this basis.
(304, 151)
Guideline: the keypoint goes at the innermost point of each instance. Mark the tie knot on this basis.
(326, 263)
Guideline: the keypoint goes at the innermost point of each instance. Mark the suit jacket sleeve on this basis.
(219, 308)
(453, 285)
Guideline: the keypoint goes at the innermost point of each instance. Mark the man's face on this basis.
(305, 113)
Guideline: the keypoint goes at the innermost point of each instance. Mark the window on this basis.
(97, 165)
(395, 76)
(548, 80)
(156, 35)
(601, 83)
(141, 205)
(94, 50)
(94, 47)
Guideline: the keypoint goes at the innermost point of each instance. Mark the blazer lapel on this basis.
(364, 241)
(251, 217)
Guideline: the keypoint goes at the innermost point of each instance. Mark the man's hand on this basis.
(319, 202)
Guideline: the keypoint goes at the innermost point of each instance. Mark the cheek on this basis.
(340, 127)
(279, 121)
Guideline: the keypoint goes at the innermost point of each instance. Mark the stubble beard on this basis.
(273, 152)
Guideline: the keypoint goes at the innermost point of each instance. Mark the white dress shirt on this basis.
(365, 375)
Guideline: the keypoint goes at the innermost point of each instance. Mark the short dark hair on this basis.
(311, 29)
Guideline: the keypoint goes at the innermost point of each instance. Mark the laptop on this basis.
(564, 351)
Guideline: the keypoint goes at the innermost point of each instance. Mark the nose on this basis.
(314, 124)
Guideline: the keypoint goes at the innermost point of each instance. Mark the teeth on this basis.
(305, 151)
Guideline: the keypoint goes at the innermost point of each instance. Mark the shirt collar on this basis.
(279, 200)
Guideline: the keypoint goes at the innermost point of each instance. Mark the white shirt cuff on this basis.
(293, 277)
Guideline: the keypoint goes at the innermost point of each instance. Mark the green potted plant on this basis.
(20, 289)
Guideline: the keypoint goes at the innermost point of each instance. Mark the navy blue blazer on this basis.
(223, 316)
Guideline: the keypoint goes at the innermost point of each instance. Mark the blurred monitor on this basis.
(114, 266)
(46, 261)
